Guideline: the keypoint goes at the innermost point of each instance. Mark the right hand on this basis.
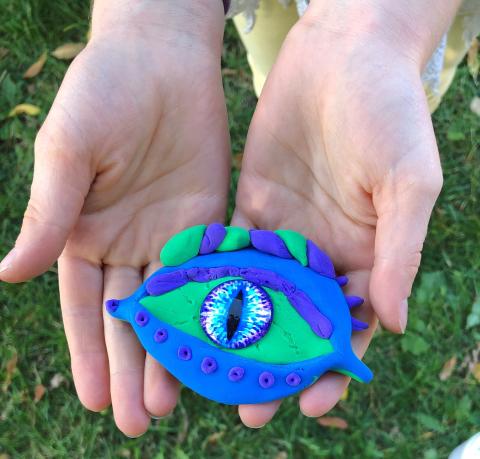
(135, 148)
(341, 148)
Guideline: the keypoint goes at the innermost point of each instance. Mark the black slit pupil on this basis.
(234, 314)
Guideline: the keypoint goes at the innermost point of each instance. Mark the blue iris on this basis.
(236, 314)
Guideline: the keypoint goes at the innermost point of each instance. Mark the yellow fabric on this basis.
(273, 21)
(265, 40)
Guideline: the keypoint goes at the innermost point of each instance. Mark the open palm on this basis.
(349, 159)
(134, 149)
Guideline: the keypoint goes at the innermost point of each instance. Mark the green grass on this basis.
(406, 412)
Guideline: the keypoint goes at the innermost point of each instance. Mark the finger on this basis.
(160, 387)
(404, 203)
(240, 219)
(321, 397)
(81, 287)
(61, 180)
(256, 416)
(126, 356)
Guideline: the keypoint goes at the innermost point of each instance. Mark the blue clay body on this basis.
(231, 379)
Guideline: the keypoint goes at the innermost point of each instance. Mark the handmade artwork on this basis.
(244, 316)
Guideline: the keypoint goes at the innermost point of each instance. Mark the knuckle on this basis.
(422, 182)
(433, 182)
(51, 142)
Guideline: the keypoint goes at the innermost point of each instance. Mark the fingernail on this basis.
(257, 427)
(7, 261)
(134, 436)
(161, 417)
(403, 315)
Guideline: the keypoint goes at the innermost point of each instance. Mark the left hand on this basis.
(135, 148)
(342, 149)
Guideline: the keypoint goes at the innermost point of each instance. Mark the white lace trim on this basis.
(433, 69)
(248, 7)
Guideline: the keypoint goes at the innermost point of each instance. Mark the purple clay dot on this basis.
(236, 374)
(160, 335)
(184, 353)
(293, 379)
(142, 318)
(209, 365)
(266, 379)
(112, 305)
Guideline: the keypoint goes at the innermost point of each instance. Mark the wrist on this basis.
(179, 22)
(411, 28)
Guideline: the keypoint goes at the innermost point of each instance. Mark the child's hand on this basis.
(341, 148)
(134, 149)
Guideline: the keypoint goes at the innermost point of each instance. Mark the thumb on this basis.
(61, 180)
(404, 203)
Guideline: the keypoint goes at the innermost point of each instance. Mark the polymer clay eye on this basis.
(245, 316)
(236, 314)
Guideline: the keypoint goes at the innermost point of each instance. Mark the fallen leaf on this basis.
(3, 52)
(4, 456)
(11, 366)
(237, 161)
(475, 105)
(36, 67)
(426, 435)
(472, 59)
(229, 72)
(282, 455)
(57, 379)
(447, 369)
(213, 438)
(39, 392)
(471, 360)
(24, 109)
(333, 421)
(476, 371)
(68, 51)
(344, 395)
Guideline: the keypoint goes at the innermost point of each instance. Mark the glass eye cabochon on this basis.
(287, 352)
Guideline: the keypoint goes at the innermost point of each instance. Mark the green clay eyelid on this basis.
(288, 331)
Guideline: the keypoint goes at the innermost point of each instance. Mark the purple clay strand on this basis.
(212, 238)
(319, 323)
(319, 261)
(263, 277)
(269, 242)
(164, 283)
